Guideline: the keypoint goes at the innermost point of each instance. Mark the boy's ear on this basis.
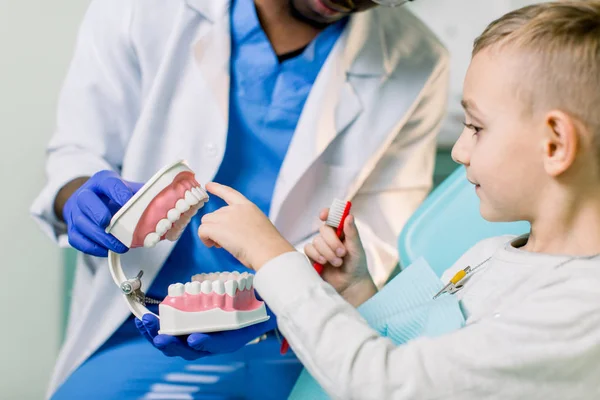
(560, 143)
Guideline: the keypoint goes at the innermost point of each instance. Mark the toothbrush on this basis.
(338, 212)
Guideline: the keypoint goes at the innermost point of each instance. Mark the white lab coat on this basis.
(149, 84)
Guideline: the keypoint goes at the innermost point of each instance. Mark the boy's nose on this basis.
(461, 151)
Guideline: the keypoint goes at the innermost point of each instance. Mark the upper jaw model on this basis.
(160, 210)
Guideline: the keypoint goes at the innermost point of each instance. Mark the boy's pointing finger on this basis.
(230, 195)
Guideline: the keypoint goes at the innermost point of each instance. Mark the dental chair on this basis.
(447, 224)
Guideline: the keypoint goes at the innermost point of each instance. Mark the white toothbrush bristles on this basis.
(336, 213)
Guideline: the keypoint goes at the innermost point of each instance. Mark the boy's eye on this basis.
(475, 129)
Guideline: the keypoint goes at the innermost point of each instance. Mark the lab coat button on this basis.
(211, 149)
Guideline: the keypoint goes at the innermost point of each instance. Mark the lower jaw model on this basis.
(212, 302)
(161, 210)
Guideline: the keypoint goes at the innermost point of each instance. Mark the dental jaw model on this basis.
(225, 299)
(161, 210)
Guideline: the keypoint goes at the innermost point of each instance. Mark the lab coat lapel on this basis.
(212, 52)
(189, 118)
(333, 104)
(212, 10)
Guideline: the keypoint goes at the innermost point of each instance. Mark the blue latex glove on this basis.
(89, 210)
(198, 345)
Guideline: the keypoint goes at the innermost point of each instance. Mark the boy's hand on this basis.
(241, 229)
(344, 263)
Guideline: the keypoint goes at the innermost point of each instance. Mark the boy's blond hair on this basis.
(560, 46)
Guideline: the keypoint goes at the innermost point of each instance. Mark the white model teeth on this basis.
(163, 226)
(206, 287)
(176, 290)
(231, 287)
(193, 287)
(173, 215)
(218, 287)
(220, 283)
(151, 239)
(195, 197)
(182, 205)
(241, 282)
(191, 199)
(200, 194)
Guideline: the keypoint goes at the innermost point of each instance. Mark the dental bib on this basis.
(161, 210)
(403, 310)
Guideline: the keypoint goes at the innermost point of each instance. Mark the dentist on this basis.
(291, 102)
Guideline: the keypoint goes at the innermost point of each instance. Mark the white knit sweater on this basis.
(533, 332)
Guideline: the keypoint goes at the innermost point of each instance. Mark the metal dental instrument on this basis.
(452, 285)
(455, 283)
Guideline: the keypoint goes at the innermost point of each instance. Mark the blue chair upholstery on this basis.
(447, 224)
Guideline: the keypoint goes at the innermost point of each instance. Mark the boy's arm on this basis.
(97, 109)
(504, 355)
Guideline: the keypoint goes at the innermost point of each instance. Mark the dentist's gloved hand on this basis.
(198, 345)
(89, 211)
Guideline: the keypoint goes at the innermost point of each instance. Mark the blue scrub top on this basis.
(266, 100)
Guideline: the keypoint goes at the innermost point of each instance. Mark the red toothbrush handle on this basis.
(319, 268)
(285, 346)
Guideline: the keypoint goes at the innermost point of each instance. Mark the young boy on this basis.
(531, 148)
